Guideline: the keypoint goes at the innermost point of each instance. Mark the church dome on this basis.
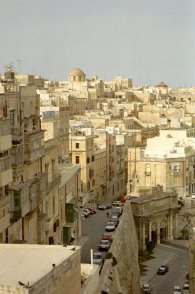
(77, 75)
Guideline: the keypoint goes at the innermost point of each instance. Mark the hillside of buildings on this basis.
(65, 144)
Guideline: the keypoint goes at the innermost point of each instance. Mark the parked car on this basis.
(118, 209)
(104, 245)
(116, 212)
(186, 285)
(163, 269)
(177, 290)
(117, 203)
(108, 205)
(92, 211)
(114, 219)
(86, 211)
(146, 288)
(110, 226)
(102, 207)
(98, 259)
(107, 236)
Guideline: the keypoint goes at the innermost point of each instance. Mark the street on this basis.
(178, 268)
(92, 229)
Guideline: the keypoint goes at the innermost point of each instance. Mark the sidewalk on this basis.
(161, 257)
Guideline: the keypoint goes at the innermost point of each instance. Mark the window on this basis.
(54, 205)
(92, 158)
(77, 145)
(147, 170)
(77, 159)
(91, 173)
(12, 117)
(88, 160)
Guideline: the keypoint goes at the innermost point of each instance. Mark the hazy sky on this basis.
(147, 40)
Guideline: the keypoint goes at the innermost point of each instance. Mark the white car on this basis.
(110, 226)
(177, 290)
(146, 288)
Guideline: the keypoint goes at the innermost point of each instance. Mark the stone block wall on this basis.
(124, 277)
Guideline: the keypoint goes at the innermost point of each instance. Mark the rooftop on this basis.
(29, 263)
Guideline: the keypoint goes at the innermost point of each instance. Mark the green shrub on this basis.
(114, 261)
(150, 246)
(108, 255)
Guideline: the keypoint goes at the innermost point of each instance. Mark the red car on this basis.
(107, 236)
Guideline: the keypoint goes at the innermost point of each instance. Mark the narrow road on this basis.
(92, 229)
(178, 268)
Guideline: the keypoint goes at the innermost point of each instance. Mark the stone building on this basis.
(156, 216)
(6, 173)
(38, 269)
(61, 219)
(82, 148)
(164, 160)
(21, 107)
(39, 186)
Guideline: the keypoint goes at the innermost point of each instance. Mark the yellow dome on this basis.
(77, 72)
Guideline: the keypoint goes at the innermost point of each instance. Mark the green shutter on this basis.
(71, 213)
(66, 235)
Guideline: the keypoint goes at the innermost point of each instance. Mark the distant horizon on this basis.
(99, 78)
(149, 41)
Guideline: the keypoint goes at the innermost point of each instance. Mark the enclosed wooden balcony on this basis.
(6, 175)
(33, 146)
(5, 135)
(4, 212)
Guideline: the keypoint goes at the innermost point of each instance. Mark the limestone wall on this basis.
(124, 276)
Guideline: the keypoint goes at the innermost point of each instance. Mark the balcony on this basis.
(6, 175)
(33, 146)
(5, 127)
(4, 208)
(16, 135)
(15, 215)
(33, 196)
(41, 180)
(5, 135)
(18, 159)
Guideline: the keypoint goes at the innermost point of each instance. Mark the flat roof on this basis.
(29, 263)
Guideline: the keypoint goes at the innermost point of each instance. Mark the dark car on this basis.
(104, 245)
(163, 269)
